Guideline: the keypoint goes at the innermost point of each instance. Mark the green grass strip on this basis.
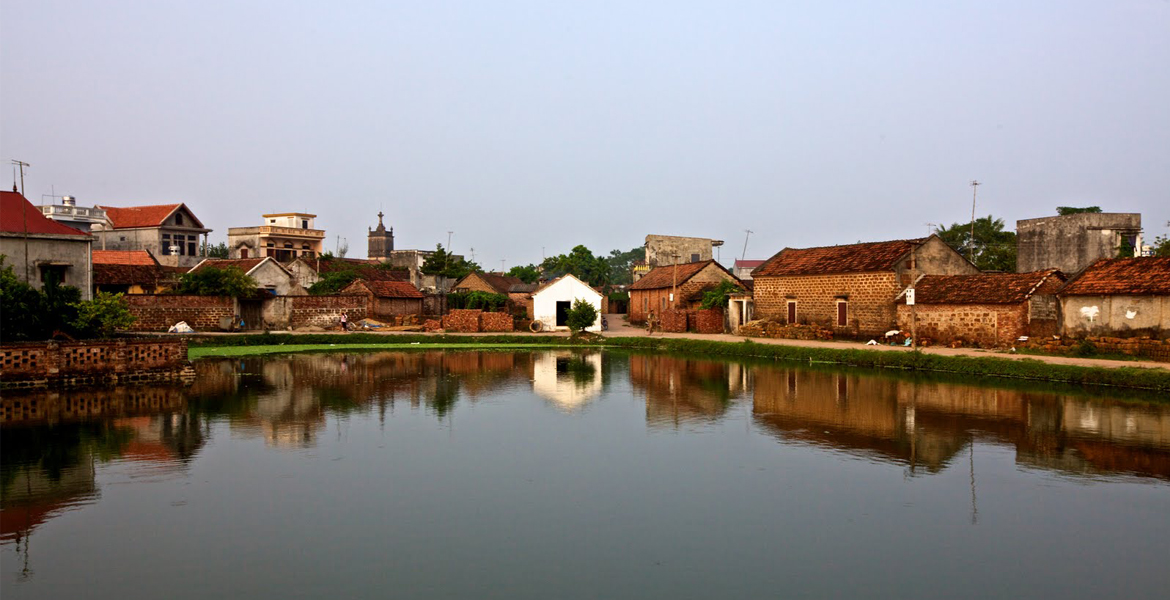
(237, 351)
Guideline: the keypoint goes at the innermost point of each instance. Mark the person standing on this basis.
(344, 321)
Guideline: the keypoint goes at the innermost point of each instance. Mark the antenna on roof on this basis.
(749, 233)
(971, 242)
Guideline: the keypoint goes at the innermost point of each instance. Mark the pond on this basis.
(570, 474)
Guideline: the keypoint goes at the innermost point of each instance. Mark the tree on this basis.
(580, 316)
(30, 314)
(215, 281)
(103, 315)
(526, 273)
(219, 250)
(1162, 246)
(582, 264)
(621, 264)
(994, 248)
(331, 282)
(448, 265)
(718, 296)
(1072, 210)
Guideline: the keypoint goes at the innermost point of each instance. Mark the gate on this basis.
(251, 313)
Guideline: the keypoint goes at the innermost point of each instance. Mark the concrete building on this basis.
(552, 301)
(170, 232)
(743, 268)
(81, 218)
(380, 241)
(987, 310)
(850, 288)
(412, 261)
(283, 236)
(42, 251)
(1118, 297)
(1072, 242)
(676, 286)
(662, 250)
(269, 275)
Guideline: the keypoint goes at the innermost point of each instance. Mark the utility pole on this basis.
(971, 242)
(749, 233)
(24, 218)
(674, 282)
(913, 299)
(502, 266)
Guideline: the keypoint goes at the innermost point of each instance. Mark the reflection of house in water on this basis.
(927, 424)
(568, 379)
(681, 391)
(32, 495)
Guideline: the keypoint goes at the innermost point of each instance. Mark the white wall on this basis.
(566, 289)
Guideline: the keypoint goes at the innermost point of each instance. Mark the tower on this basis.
(381, 241)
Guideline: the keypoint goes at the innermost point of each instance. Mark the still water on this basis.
(579, 475)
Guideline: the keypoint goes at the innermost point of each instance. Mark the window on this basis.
(272, 221)
(305, 247)
(694, 258)
(243, 253)
(178, 218)
(304, 223)
(53, 275)
(191, 243)
(842, 313)
(663, 303)
(166, 244)
(645, 305)
(288, 244)
(792, 312)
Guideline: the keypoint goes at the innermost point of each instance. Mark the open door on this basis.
(563, 314)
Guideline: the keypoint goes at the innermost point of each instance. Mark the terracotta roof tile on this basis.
(123, 257)
(245, 264)
(390, 289)
(664, 277)
(503, 284)
(852, 258)
(127, 274)
(1148, 276)
(986, 288)
(138, 216)
(17, 213)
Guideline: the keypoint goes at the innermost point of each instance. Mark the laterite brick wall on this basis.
(870, 299)
(985, 325)
(159, 312)
(54, 360)
(325, 311)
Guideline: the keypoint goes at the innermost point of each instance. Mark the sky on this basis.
(526, 128)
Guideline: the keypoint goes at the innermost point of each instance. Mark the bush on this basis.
(102, 316)
(717, 297)
(580, 316)
(476, 299)
(29, 314)
(214, 281)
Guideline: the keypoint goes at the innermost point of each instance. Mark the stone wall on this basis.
(869, 297)
(324, 311)
(668, 249)
(159, 312)
(1072, 242)
(983, 325)
(75, 363)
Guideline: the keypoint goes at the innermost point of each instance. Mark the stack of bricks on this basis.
(158, 313)
(495, 321)
(772, 329)
(674, 321)
(462, 320)
(706, 321)
(432, 325)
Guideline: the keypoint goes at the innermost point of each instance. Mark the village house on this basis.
(1118, 297)
(1072, 242)
(492, 283)
(849, 288)
(676, 286)
(663, 250)
(552, 301)
(387, 299)
(81, 218)
(743, 268)
(130, 272)
(988, 309)
(42, 251)
(308, 271)
(283, 236)
(269, 275)
(170, 232)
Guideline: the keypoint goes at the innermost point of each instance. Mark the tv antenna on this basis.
(971, 243)
(749, 233)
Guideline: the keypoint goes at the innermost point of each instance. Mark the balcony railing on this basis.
(316, 234)
(74, 211)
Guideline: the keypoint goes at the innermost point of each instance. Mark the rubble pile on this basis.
(767, 328)
(432, 325)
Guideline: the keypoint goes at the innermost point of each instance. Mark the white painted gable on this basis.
(565, 289)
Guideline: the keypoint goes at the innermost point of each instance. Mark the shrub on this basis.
(102, 316)
(581, 315)
(215, 281)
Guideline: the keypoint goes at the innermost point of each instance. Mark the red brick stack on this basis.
(706, 321)
(495, 321)
(462, 320)
(674, 321)
(432, 325)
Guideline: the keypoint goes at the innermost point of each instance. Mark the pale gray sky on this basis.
(522, 125)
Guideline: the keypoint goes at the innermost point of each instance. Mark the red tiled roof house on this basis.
(129, 272)
(686, 281)
(41, 250)
(388, 299)
(849, 288)
(168, 231)
(988, 309)
(268, 274)
(1118, 296)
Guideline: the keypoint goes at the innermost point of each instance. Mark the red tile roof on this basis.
(503, 284)
(986, 288)
(852, 258)
(17, 213)
(246, 264)
(748, 264)
(664, 277)
(138, 216)
(1148, 276)
(123, 257)
(389, 289)
(124, 274)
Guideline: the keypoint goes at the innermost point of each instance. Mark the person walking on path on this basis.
(650, 323)
(344, 321)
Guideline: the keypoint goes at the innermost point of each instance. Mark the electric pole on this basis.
(24, 218)
(971, 242)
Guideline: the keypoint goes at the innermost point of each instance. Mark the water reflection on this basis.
(682, 392)
(568, 379)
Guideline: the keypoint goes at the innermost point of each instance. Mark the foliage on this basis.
(717, 297)
(216, 281)
(994, 248)
(580, 316)
(332, 282)
(526, 273)
(1162, 246)
(103, 315)
(621, 264)
(448, 265)
(582, 264)
(1072, 210)
(619, 296)
(219, 250)
(476, 299)
(30, 314)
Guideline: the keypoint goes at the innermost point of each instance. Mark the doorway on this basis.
(563, 314)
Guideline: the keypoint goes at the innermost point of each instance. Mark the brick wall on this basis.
(325, 311)
(1153, 349)
(870, 298)
(674, 321)
(985, 325)
(105, 359)
(705, 321)
(159, 312)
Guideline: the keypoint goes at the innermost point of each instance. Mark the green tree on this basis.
(219, 250)
(30, 314)
(994, 248)
(331, 282)
(582, 264)
(215, 281)
(621, 264)
(1072, 210)
(580, 316)
(1162, 246)
(718, 297)
(103, 315)
(445, 264)
(526, 273)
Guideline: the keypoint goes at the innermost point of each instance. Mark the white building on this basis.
(551, 303)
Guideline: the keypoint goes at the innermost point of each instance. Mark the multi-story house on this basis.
(43, 252)
(81, 218)
(283, 236)
(170, 232)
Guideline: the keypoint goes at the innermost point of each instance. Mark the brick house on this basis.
(492, 283)
(130, 272)
(1119, 297)
(688, 282)
(308, 271)
(269, 275)
(988, 309)
(387, 298)
(168, 231)
(849, 288)
(42, 251)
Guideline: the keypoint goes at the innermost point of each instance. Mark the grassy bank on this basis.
(1025, 369)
